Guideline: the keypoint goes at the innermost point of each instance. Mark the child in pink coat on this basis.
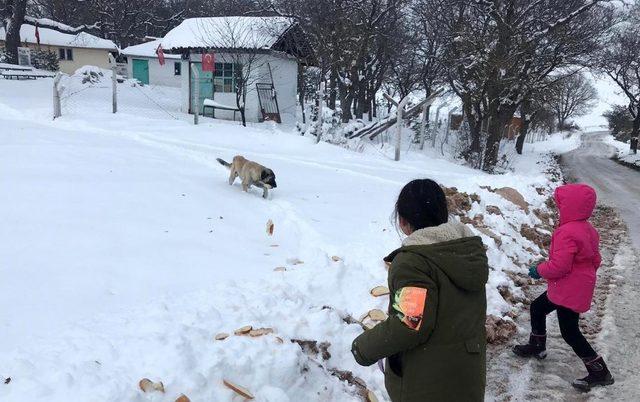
(570, 273)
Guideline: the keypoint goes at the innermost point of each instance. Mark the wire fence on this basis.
(91, 92)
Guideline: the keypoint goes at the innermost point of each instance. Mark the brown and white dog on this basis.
(251, 174)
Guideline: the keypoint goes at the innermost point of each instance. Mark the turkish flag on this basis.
(160, 54)
(208, 62)
(37, 34)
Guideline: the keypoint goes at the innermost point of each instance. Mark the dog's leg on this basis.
(232, 176)
(265, 192)
(245, 185)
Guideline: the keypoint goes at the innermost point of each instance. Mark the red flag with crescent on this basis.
(208, 62)
(37, 34)
(160, 53)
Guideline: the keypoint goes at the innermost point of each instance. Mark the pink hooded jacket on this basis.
(574, 256)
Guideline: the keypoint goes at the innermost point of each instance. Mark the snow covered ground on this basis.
(623, 152)
(123, 250)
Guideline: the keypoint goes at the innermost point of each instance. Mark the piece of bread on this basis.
(238, 389)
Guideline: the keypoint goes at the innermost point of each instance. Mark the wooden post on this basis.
(114, 83)
(320, 112)
(196, 96)
(437, 122)
(399, 124)
(57, 109)
(425, 123)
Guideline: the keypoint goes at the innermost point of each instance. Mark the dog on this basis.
(251, 174)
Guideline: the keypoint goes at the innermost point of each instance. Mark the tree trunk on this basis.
(498, 120)
(346, 100)
(635, 133)
(333, 78)
(524, 111)
(13, 24)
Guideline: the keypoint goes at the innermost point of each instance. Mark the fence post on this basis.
(57, 109)
(425, 122)
(320, 113)
(196, 95)
(399, 124)
(437, 123)
(114, 83)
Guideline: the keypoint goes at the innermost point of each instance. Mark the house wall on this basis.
(81, 57)
(158, 75)
(285, 77)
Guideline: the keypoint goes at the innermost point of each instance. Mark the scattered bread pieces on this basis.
(379, 291)
(280, 269)
(336, 258)
(270, 227)
(183, 398)
(146, 385)
(377, 315)
(238, 389)
(279, 340)
(221, 336)
(244, 330)
(371, 397)
(294, 261)
(260, 332)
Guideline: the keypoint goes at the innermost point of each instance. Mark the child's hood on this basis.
(575, 202)
(451, 247)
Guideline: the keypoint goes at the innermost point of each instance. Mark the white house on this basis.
(73, 50)
(260, 54)
(143, 65)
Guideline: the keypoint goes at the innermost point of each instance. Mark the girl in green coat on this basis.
(433, 343)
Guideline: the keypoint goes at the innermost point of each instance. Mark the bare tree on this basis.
(620, 60)
(571, 96)
(500, 51)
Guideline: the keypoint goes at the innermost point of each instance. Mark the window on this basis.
(24, 56)
(224, 77)
(177, 68)
(65, 54)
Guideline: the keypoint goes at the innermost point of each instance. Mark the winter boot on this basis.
(599, 375)
(537, 347)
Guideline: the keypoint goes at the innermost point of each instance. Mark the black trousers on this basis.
(568, 320)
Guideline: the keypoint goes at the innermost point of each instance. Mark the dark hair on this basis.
(422, 203)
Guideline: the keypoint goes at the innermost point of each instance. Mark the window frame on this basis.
(224, 77)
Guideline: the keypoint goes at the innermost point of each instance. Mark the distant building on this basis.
(143, 65)
(275, 47)
(73, 50)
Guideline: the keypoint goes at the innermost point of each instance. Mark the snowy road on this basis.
(613, 322)
(617, 185)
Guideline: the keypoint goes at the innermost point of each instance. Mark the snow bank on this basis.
(623, 151)
(135, 252)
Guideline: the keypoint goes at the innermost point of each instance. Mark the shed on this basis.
(257, 62)
(143, 64)
(73, 50)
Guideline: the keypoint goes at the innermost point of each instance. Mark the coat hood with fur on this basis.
(454, 249)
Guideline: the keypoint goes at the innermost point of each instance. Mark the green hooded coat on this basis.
(444, 358)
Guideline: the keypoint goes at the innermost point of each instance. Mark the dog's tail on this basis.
(224, 163)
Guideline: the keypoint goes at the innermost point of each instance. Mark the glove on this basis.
(533, 272)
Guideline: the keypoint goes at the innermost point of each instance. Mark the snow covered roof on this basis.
(55, 38)
(147, 49)
(227, 33)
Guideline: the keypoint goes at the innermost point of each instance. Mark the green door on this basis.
(206, 85)
(141, 70)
